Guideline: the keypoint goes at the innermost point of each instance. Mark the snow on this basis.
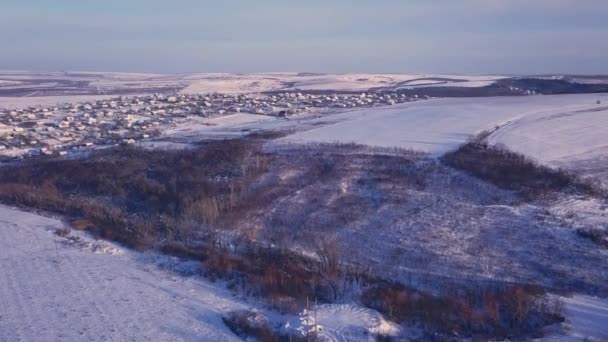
(551, 137)
(100, 83)
(440, 125)
(49, 101)
(83, 289)
(58, 289)
(254, 83)
(197, 128)
(574, 138)
(5, 83)
(232, 84)
(343, 322)
(586, 320)
(238, 119)
(77, 288)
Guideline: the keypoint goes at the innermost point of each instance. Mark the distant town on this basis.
(57, 130)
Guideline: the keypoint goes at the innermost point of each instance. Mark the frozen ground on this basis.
(51, 290)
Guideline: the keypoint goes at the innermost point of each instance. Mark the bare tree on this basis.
(331, 265)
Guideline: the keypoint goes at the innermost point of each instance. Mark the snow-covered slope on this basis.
(94, 291)
(586, 320)
(561, 130)
(25, 83)
(24, 102)
(570, 137)
(439, 125)
(250, 83)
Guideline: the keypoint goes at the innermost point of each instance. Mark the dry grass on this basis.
(515, 310)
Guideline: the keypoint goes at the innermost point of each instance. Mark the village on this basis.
(59, 130)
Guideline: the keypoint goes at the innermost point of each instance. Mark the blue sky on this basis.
(448, 36)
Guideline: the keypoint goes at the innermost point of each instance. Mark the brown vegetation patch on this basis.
(513, 171)
(506, 311)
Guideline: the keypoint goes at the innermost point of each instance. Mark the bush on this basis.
(125, 194)
(63, 232)
(598, 236)
(513, 171)
(247, 324)
(515, 310)
(284, 279)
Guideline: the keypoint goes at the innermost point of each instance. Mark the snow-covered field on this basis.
(32, 83)
(27, 101)
(561, 130)
(57, 289)
(247, 83)
(52, 290)
(586, 320)
(223, 126)
(572, 137)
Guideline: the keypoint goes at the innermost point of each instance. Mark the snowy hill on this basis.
(561, 130)
(95, 291)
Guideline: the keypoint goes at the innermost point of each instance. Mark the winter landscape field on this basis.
(297, 206)
(290, 171)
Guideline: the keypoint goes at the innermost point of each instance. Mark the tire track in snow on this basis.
(15, 293)
(91, 286)
(11, 299)
(54, 291)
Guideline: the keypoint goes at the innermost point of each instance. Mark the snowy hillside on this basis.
(32, 84)
(92, 290)
(562, 130)
(572, 137)
(246, 83)
(76, 288)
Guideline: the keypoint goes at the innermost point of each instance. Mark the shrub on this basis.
(82, 224)
(598, 236)
(513, 171)
(111, 191)
(63, 232)
(219, 263)
(515, 310)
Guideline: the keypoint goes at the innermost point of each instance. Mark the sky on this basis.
(384, 36)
